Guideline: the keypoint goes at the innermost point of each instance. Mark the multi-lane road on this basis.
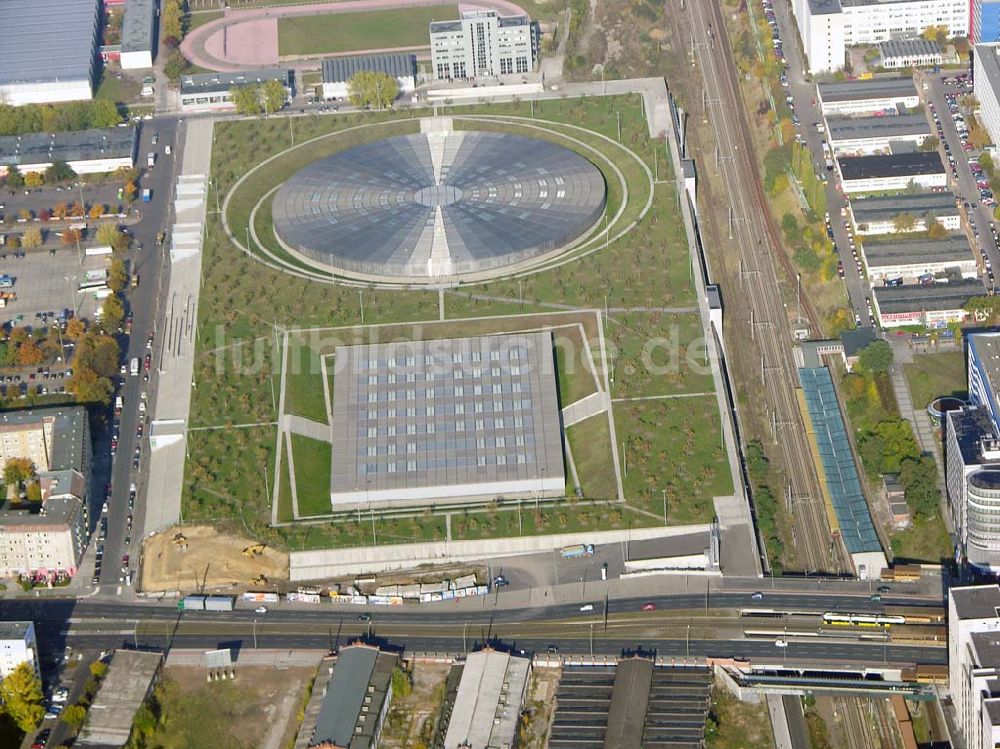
(681, 625)
(148, 260)
(761, 307)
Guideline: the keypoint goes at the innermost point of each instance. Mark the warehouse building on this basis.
(932, 306)
(865, 97)
(48, 51)
(986, 86)
(357, 699)
(911, 260)
(446, 420)
(86, 151)
(867, 135)
(909, 53)
(487, 707)
(17, 645)
(829, 27)
(204, 92)
(138, 47)
(878, 214)
(130, 678)
(891, 172)
(337, 71)
(481, 44)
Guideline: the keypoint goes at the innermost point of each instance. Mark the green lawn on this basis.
(590, 441)
(304, 382)
(312, 475)
(658, 354)
(347, 32)
(119, 90)
(933, 375)
(926, 541)
(673, 445)
(200, 18)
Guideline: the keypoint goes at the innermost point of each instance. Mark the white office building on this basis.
(974, 663)
(986, 86)
(878, 214)
(821, 27)
(898, 171)
(869, 135)
(17, 646)
(828, 27)
(482, 44)
(915, 259)
(885, 94)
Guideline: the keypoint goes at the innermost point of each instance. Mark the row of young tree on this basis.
(58, 118)
(56, 173)
(259, 98)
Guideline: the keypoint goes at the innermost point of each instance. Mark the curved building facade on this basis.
(983, 518)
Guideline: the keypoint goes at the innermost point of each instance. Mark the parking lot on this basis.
(38, 199)
(48, 282)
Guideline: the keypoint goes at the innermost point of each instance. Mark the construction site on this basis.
(203, 558)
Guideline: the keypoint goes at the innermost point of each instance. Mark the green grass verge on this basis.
(119, 90)
(933, 375)
(347, 32)
(658, 354)
(673, 445)
(590, 442)
(925, 541)
(304, 382)
(312, 475)
(200, 18)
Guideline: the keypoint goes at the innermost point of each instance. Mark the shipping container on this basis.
(219, 603)
(191, 603)
(253, 596)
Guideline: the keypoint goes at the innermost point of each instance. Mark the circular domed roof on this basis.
(436, 205)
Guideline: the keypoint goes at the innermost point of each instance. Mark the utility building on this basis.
(139, 35)
(482, 44)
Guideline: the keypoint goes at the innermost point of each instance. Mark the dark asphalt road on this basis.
(149, 263)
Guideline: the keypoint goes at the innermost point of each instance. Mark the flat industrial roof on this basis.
(138, 26)
(986, 646)
(199, 83)
(892, 165)
(873, 88)
(952, 249)
(487, 706)
(824, 7)
(459, 412)
(970, 426)
(82, 145)
(935, 297)
(341, 69)
(47, 41)
(124, 689)
(976, 601)
(15, 630)
(887, 207)
(847, 128)
(908, 48)
(361, 671)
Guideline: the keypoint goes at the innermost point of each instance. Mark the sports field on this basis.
(348, 32)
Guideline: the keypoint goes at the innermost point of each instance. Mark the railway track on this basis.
(762, 307)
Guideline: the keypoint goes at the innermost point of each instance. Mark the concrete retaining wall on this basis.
(327, 563)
